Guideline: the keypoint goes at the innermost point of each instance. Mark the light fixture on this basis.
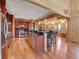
(9, 23)
(39, 22)
(62, 21)
(53, 23)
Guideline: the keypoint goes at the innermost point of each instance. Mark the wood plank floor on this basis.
(19, 49)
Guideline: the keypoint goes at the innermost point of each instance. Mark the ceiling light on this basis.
(53, 23)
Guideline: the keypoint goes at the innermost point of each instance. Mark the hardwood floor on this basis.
(19, 49)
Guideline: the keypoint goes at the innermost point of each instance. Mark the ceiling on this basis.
(60, 7)
(26, 10)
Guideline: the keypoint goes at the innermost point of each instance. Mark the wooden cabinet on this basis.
(36, 42)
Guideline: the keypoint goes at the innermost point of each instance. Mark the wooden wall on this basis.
(73, 23)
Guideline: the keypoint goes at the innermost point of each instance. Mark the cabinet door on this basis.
(40, 43)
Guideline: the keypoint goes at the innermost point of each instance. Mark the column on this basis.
(0, 35)
(13, 28)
